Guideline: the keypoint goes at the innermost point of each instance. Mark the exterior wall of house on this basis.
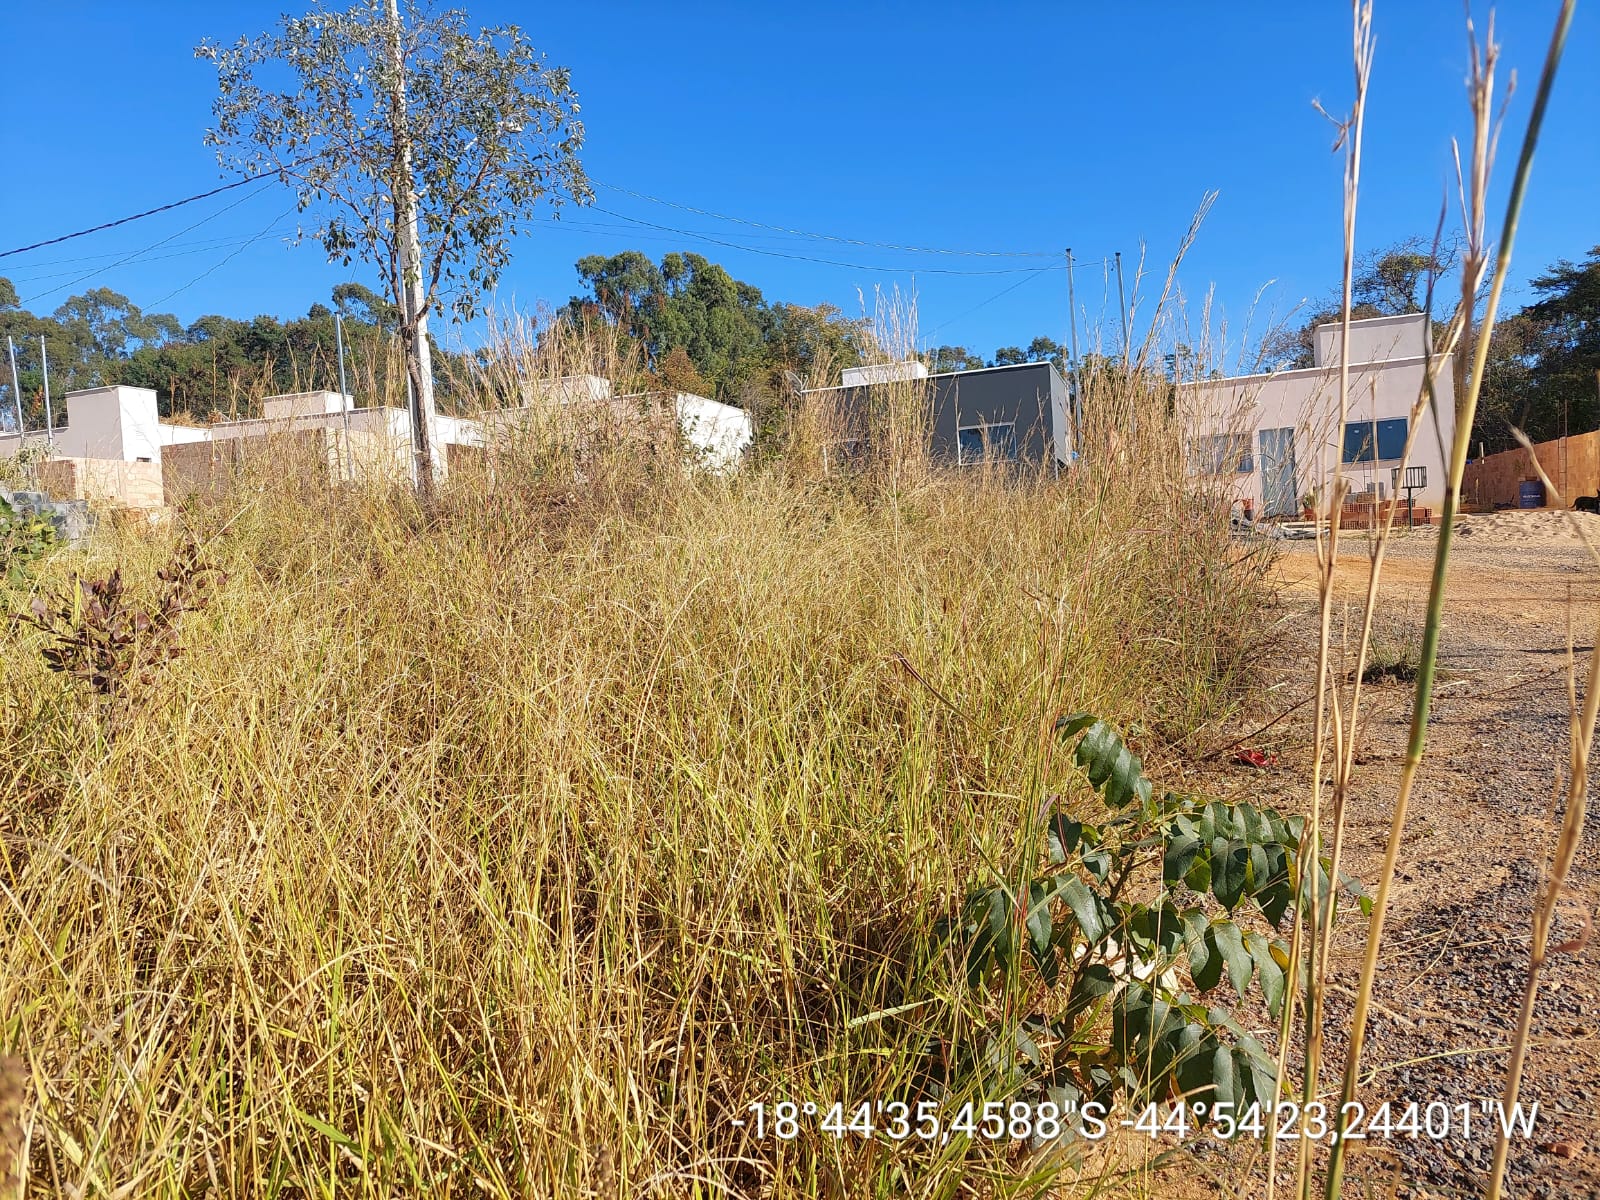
(1375, 339)
(720, 432)
(883, 373)
(118, 423)
(104, 480)
(1031, 398)
(322, 431)
(1302, 409)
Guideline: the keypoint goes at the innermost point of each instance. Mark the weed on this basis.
(1079, 925)
(105, 640)
(24, 540)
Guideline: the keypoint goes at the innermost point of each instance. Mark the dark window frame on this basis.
(990, 448)
(1365, 450)
(1386, 438)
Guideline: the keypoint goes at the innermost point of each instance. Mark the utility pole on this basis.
(419, 358)
(1077, 367)
(1122, 315)
(344, 395)
(16, 387)
(49, 416)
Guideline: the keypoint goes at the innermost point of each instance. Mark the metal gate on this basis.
(1279, 495)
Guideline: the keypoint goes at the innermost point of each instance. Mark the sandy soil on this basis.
(1478, 832)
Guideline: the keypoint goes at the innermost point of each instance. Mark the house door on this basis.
(1279, 496)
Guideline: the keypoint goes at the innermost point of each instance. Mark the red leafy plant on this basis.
(101, 636)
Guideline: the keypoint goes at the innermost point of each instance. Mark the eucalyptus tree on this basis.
(412, 144)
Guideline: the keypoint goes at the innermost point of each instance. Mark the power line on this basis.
(985, 303)
(826, 237)
(265, 232)
(203, 246)
(829, 262)
(277, 171)
(135, 256)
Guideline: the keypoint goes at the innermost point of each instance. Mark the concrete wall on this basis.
(1572, 463)
(883, 373)
(720, 433)
(1030, 397)
(121, 423)
(1307, 402)
(103, 480)
(307, 459)
(1027, 397)
(1375, 339)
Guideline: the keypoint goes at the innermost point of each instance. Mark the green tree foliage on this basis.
(1543, 370)
(741, 347)
(217, 364)
(953, 358)
(89, 339)
(421, 147)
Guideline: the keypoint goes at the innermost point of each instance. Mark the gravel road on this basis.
(1479, 829)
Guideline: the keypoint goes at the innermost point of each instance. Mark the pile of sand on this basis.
(1524, 527)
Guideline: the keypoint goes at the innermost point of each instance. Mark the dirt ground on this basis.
(1478, 832)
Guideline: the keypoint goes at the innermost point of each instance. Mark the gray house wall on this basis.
(1031, 397)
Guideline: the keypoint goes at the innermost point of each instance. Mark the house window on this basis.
(1359, 442)
(975, 443)
(1375, 441)
(1391, 439)
(1222, 454)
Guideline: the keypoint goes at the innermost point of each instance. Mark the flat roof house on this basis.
(115, 446)
(1009, 414)
(1274, 438)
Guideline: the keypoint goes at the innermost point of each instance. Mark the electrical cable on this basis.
(984, 303)
(265, 232)
(826, 237)
(135, 256)
(204, 246)
(150, 212)
(826, 261)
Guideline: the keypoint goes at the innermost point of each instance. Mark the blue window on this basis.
(1391, 439)
(978, 442)
(1374, 441)
(1360, 444)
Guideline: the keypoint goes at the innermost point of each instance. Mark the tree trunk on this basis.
(413, 302)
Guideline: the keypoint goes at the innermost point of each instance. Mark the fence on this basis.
(1572, 463)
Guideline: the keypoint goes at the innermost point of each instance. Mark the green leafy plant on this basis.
(1228, 876)
(20, 471)
(24, 539)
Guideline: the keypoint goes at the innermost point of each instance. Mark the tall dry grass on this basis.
(516, 846)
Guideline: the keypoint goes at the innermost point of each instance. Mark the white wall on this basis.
(174, 435)
(1375, 339)
(119, 423)
(721, 432)
(883, 373)
(305, 404)
(1307, 401)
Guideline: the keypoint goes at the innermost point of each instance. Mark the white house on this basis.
(1278, 437)
(115, 435)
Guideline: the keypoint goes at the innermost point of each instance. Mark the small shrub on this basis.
(24, 540)
(102, 638)
(1077, 923)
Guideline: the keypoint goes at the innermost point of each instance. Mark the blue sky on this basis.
(1000, 127)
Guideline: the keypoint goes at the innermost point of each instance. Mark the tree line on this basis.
(218, 366)
(689, 324)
